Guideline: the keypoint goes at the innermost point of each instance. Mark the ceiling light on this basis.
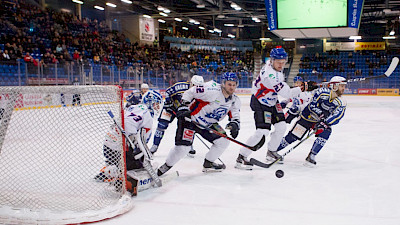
(391, 33)
(178, 19)
(229, 24)
(192, 21)
(160, 8)
(161, 21)
(185, 28)
(196, 22)
(77, 1)
(231, 35)
(234, 5)
(221, 16)
(217, 30)
(202, 28)
(201, 6)
(240, 25)
(211, 31)
(265, 39)
(111, 5)
(289, 39)
(127, 1)
(238, 8)
(147, 16)
(389, 37)
(98, 7)
(355, 37)
(167, 10)
(163, 14)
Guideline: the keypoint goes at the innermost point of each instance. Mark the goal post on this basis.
(51, 150)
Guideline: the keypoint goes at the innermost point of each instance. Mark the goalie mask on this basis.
(153, 100)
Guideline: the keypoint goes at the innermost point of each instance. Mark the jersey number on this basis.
(278, 87)
(135, 117)
(200, 89)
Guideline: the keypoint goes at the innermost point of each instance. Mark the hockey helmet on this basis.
(278, 53)
(297, 78)
(335, 82)
(196, 80)
(231, 77)
(153, 100)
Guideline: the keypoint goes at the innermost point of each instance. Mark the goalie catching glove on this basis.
(233, 126)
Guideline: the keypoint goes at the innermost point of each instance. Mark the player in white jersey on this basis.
(264, 102)
(138, 117)
(212, 103)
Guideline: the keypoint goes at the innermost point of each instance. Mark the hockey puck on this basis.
(279, 173)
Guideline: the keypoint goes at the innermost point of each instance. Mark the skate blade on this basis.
(209, 170)
(309, 165)
(241, 167)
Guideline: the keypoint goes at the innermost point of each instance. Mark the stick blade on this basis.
(259, 144)
(392, 67)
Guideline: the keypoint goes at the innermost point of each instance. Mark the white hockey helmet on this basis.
(196, 80)
(335, 81)
(144, 86)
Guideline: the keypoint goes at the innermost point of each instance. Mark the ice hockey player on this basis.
(301, 101)
(212, 103)
(144, 88)
(326, 109)
(264, 102)
(138, 117)
(173, 97)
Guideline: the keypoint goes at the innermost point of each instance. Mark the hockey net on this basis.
(51, 150)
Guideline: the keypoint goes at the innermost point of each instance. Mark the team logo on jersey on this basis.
(187, 134)
(271, 75)
(217, 113)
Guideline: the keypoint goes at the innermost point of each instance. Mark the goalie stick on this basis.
(253, 148)
(268, 165)
(389, 71)
(146, 162)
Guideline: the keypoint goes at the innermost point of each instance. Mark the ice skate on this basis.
(212, 166)
(273, 155)
(242, 163)
(310, 160)
(153, 149)
(163, 169)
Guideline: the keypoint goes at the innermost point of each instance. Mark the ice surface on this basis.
(356, 181)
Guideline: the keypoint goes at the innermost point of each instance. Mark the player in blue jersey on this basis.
(173, 97)
(326, 109)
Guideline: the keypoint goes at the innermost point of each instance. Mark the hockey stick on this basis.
(268, 165)
(146, 162)
(208, 148)
(389, 71)
(253, 148)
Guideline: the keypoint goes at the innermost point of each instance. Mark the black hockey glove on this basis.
(234, 127)
(183, 111)
(321, 127)
(311, 85)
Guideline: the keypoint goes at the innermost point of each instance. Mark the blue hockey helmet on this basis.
(278, 53)
(231, 77)
(297, 78)
(153, 100)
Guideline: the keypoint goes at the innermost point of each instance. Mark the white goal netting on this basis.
(51, 148)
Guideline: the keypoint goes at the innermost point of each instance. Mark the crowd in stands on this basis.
(352, 64)
(44, 36)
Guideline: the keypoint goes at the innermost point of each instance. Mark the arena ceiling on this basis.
(378, 19)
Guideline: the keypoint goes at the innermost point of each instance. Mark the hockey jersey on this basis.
(324, 106)
(173, 94)
(269, 84)
(136, 117)
(210, 105)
